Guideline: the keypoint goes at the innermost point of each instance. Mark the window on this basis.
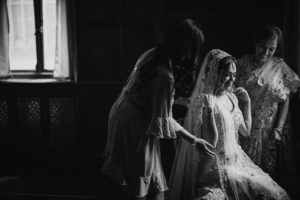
(38, 39)
(32, 35)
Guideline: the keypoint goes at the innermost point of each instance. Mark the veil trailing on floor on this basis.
(237, 177)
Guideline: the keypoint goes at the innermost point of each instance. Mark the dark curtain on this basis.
(290, 166)
(291, 30)
(4, 40)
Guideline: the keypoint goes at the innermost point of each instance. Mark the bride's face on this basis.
(227, 77)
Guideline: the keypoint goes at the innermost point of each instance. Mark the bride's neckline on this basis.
(230, 99)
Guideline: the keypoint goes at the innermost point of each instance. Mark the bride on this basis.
(214, 114)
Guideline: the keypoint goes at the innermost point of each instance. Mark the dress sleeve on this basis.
(162, 123)
(290, 78)
(288, 83)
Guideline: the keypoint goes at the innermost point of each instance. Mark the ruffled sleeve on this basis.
(288, 83)
(162, 124)
(290, 78)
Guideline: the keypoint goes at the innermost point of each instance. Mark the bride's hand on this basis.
(206, 146)
(242, 94)
(210, 101)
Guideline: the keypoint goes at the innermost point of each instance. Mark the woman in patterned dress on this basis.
(215, 115)
(269, 82)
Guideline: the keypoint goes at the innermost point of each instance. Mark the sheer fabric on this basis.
(65, 50)
(138, 118)
(4, 40)
(230, 174)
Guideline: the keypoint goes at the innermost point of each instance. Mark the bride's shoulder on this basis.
(203, 99)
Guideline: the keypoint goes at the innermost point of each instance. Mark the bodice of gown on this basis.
(227, 122)
(234, 119)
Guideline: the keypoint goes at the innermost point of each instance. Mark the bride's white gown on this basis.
(230, 174)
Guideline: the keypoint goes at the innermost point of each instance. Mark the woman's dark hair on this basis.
(183, 42)
(268, 32)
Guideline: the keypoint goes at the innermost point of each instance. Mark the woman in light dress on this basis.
(215, 115)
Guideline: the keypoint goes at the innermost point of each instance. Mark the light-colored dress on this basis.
(267, 84)
(230, 174)
(138, 118)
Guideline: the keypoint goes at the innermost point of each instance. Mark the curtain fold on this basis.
(290, 174)
(291, 30)
(4, 40)
(66, 49)
(72, 38)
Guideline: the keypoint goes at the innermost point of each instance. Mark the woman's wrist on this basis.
(194, 141)
(278, 129)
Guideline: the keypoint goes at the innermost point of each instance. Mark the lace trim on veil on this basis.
(238, 174)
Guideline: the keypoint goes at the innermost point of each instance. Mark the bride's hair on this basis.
(224, 63)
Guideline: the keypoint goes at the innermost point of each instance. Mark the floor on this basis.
(59, 187)
(60, 178)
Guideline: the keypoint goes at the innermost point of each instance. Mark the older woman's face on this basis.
(227, 77)
(265, 50)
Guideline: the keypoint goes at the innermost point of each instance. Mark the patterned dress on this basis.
(268, 85)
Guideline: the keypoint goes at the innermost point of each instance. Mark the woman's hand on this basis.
(210, 102)
(277, 134)
(204, 145)
(242, 95)
(183, 101)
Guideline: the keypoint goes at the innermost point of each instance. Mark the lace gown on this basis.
(267, 85)
(230, 174)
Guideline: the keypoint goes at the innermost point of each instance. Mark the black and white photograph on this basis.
(149, 99)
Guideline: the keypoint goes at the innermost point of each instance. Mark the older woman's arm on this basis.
(245, 127)
(283, 109)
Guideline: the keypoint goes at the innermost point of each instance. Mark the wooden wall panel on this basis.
(95, 101)
(98, 53)
(95, 10)
(137, 38)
